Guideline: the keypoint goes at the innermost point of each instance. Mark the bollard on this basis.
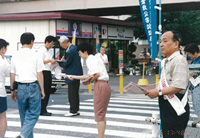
(121, 81)
(121, 84)
(155, 125)
(90, 88)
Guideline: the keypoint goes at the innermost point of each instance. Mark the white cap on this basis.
(63, 39)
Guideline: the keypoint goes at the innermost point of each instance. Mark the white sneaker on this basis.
(71, 114)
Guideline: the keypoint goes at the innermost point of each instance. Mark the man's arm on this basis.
(95, 77)
(40, 81)
(166, 91)
(79, 77)
(13, 93)
(49, 61)
(68, 62)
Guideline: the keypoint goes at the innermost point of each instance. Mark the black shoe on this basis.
(45, 114)
(18, 137)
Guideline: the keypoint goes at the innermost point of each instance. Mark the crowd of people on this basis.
(30, 75)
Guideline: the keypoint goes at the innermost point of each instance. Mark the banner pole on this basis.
(160, 29)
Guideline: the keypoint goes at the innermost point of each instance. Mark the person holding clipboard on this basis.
(72, 66)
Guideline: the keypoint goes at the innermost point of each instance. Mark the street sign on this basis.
(121, 57)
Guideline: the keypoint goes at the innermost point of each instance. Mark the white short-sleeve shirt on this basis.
(26, 64)
(4, 72)
(103, 58)
(96, 66)
(46, 55)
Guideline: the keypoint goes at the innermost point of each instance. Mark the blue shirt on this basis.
(72, 64)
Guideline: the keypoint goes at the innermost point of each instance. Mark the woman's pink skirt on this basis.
(102, 93)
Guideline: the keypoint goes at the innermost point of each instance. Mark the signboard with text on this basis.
(87, 30)
(61, 28)
(118, 32)
(121, 57)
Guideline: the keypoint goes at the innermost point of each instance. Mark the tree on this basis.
(139, 32)
(187, 23)
(132, 48)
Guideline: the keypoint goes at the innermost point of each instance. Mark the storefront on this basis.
(115, 37)
(116, 34)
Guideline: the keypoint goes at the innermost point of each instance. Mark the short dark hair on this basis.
(26, 38)
(3, 43)
(50, 38)
(176, 37)
(85, 46)
(103, 47)
(191, 48)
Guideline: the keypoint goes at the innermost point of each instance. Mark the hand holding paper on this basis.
(153, 93)
(134, 88)
(65, 76)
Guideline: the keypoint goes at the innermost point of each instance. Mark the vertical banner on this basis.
(149, 18)
(74, 37)
(153, 17)
(121, 57)
(97, 41)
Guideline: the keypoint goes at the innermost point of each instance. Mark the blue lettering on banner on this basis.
(149, 17)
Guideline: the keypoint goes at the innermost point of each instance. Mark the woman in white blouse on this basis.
(102, 91)
(4, 72)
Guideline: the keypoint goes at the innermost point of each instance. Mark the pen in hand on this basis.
(62, 58)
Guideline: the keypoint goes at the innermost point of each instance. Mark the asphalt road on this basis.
(125, 115)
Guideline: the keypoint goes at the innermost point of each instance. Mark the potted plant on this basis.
(131, 69)
(149, 71)
(126, 69)
(156, 70)
(137, 70)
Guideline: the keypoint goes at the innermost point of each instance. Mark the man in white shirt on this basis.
(5, 72)
(26, 68)
(103, 57)
(47, 58)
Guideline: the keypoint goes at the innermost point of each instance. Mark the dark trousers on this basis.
(47, 89)
(173, 126)
(73, 95)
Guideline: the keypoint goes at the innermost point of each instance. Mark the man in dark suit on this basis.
(72, 65)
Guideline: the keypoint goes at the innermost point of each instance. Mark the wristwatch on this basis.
(160, 92)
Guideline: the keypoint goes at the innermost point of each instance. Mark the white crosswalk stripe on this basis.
(125, 119)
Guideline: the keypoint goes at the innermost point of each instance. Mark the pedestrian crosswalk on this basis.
(125, 119)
